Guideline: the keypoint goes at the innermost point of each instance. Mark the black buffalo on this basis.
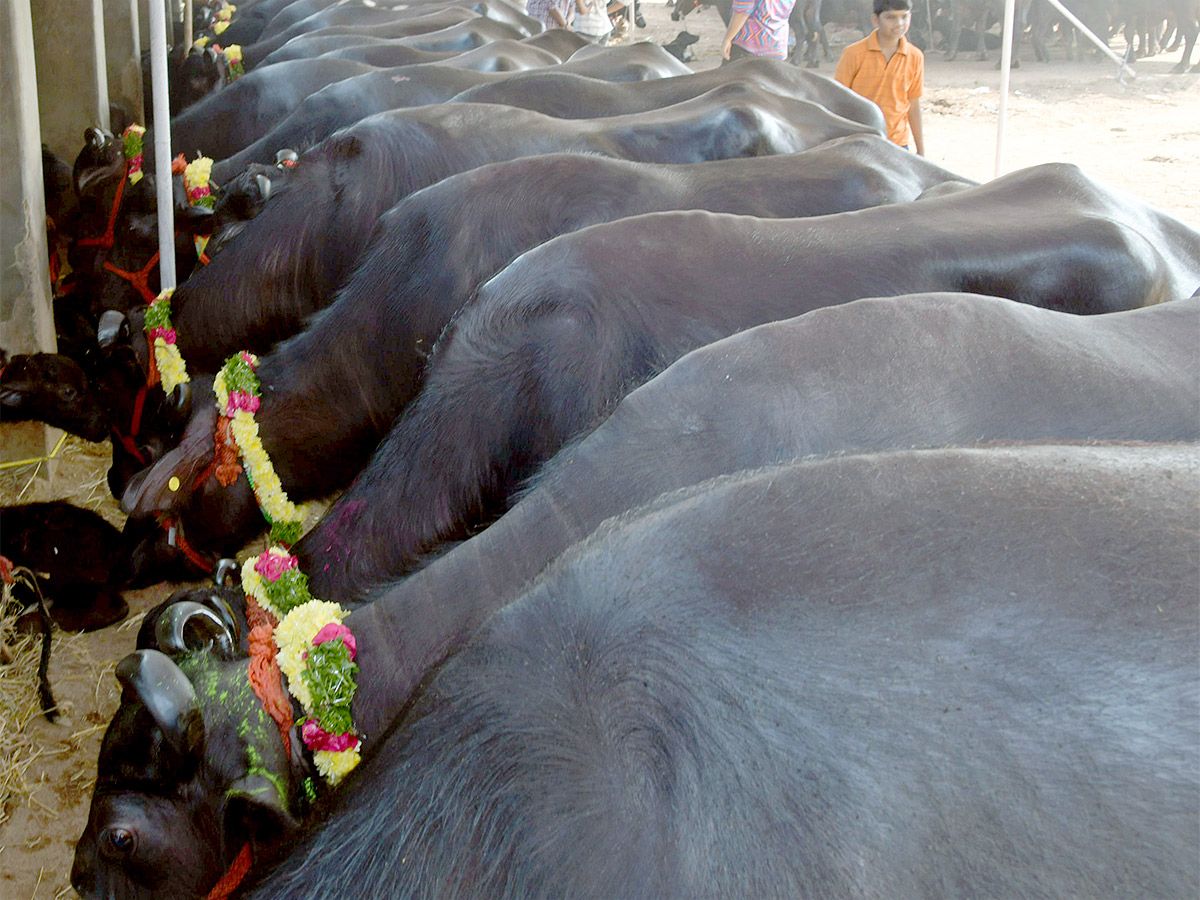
(52, 388)
(337, 387)
(290, 258)
(575, 98)
(74, 555)
(226, 121)
(346, 102)
(917, 371)
(566, 330)
(640, 60)
(398, 24)
(388, 53)
(912, 673)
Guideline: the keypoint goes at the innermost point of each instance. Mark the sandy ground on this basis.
(1140, 136)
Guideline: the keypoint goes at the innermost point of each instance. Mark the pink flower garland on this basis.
(336, 630)
(317, 738)
(238, 400)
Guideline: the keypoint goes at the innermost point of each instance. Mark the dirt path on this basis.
(1142, 137)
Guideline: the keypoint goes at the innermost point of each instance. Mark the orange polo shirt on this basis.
(891, 84)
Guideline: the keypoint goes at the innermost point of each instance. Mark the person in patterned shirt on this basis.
(551, 13)
(757, 28)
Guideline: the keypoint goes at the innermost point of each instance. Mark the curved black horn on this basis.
(168, 696)
(221, 607)
(181, 401)
(171, 631)
(94, 136)
(264, 186)
(110, 327)
(224, 568)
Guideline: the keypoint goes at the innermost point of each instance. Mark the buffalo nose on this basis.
(81, 877)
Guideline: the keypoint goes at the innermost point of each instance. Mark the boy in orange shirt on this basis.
(885, 68)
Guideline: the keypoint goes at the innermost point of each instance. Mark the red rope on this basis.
(139, 279)
(205, 565)
(135, 425)
(232, 878)
(106, 240)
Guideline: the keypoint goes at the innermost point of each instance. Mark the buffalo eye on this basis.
(118, 841)
(67, 392)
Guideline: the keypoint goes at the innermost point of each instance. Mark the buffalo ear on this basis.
(257, 797)
(113, 327)
(167, 485)
(168, 696)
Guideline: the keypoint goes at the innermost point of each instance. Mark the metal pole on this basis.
(1006, 48)
(139, 114)
(101, 71)
(187, 26)
(162, 144)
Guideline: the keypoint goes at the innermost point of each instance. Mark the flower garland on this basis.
(316, 652)
(238, 398)
(131, 139)
(171, 367)
(234, 67)
(195, 182)
(224, 15)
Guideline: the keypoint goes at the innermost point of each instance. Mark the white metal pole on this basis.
(139, 114)
(187, 26)
(101, 70)
(1006, 49)
(162, 144)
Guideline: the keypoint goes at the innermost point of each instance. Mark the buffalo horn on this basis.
(264, 186)
(221, 607)
(171, 629)
(224, 567)
(181, 401)
(112, 323)
(168, 696)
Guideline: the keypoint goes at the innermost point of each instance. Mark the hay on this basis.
(80, 480)
(19, 655)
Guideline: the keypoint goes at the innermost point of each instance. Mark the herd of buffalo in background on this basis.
(458, 242)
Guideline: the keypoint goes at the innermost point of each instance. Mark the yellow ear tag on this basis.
(173, 484)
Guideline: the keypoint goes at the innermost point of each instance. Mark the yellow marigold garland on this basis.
(316, 653)
(224, 17)
(234, 66)
(237, 391)
(171, 367)
(195, 182)
(131, 144)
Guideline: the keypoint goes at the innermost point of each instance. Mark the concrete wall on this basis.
(72, 80)
(26, 323)
(123, 50)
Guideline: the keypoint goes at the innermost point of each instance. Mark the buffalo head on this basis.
(51, 388)
(102, 160)
(191, 768)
